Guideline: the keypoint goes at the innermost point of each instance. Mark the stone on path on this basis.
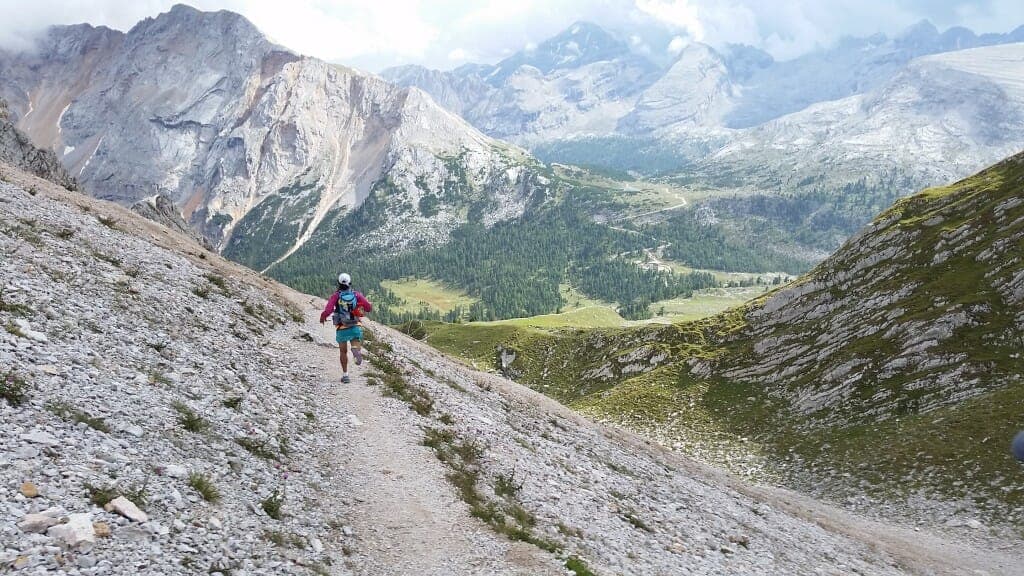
(75, 532)
(29, 490)
(40, 437)
(126, 508)
(37, 523)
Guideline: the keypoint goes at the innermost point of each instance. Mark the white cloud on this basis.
(381, 33)
(677, 13)
(676, 45)
(458, 55)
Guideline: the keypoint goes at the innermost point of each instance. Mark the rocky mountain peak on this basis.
(578, 45)
(922, 31)
(184, 26)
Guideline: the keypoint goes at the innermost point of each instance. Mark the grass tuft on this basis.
(201, 483)
(258, 448)
(219, 282)
(284, 539)
(272, 504)
(68, 412)
(188, 418)
(578, 567)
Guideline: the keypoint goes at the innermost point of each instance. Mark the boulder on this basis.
(77, 532)
(126, 508)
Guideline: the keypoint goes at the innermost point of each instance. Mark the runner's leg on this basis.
(343, 350)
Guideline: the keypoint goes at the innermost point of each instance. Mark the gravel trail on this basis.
(405, 515)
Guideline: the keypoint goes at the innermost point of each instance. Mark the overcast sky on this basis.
(374, 34)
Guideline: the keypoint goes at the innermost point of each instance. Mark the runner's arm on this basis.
(329, 309)
(362, 302)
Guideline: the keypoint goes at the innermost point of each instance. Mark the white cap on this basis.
(344, 278)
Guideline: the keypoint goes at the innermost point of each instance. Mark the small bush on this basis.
(108, 221)
(234, 402)
(100, 495)
(506, 485)
(12, 328)
(202, 484)
(14, 389)
(158, 346)
(188, 419)
(577, 567)
(112, 260)
(68, 412)
(636, 522)
(283, 539)
(414, 328)
(65, 233)
(157, 377)
(255, 447)
(272, 504)
(12, 308)
(284, 445)
(139, 495)
(219, 282)
(201, 291)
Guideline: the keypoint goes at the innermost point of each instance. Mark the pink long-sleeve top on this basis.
(362, 305)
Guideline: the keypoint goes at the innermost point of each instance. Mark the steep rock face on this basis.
(162, 210)
(696, 92)
(256, 132)
(17, 150)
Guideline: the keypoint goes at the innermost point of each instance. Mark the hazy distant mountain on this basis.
(580, 82)
(853, 66)
(940, 117)
(573, 100)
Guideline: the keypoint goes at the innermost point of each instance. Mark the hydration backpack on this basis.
(345, 310)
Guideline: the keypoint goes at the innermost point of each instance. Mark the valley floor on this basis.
(420, 466)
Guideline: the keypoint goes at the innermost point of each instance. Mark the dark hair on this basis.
(343, 286)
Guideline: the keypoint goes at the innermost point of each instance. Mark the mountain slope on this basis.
(261, 139)
(891, 369)
(17, 150)
(225, 386)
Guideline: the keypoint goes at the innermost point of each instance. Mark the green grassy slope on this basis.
(891, 371)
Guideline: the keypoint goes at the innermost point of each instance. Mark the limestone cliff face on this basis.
(16, 149)
(160, 209)
(202, 108)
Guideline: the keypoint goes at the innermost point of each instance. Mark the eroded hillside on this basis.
(889, 374)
